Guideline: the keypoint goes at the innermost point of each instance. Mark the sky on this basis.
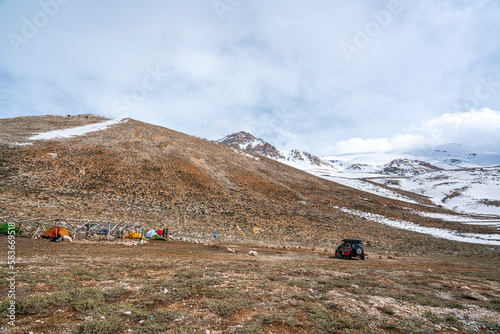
(325, 76)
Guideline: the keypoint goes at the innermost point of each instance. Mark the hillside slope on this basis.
(134, 171)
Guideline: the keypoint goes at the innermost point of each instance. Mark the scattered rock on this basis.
(253, 253)
(468, 293)
(390, 257)
(230, 250)
(127, 313)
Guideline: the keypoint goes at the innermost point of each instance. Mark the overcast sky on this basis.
(327, 76)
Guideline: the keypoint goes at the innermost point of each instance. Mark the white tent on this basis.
(151, 233)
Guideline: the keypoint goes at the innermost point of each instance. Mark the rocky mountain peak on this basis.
(240, 137)
(248, 142)
(403, 166)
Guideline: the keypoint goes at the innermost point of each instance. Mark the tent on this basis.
(133, 235)
(4, 229)
(151, 233)
(157, 237)
(103, 231)
(54, 231)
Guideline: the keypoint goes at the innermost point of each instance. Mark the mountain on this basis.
(416, 162)
(403, 166)
(463, 190)
(88, 167)
(460, 178)
(248, 142)
(295, 158)
(469, 183)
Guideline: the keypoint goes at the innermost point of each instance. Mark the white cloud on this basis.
(275, 68)
(479, 128)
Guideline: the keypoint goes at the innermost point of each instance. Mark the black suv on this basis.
(350, 248)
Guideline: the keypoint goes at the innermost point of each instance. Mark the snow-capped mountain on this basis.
(444, 157)
(248, 142)
(454, 176)
(295, 158)
(464, 190)
(404, 166)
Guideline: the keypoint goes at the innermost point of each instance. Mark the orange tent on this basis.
(54, 231)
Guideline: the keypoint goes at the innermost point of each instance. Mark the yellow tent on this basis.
(133, 235)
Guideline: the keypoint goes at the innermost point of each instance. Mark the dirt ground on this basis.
(178, 287)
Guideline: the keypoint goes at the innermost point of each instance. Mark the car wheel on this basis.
(337, 254)
(362, 257)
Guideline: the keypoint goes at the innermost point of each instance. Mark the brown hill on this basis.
(134, 171)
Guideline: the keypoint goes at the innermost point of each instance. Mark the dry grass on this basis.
(185, 288)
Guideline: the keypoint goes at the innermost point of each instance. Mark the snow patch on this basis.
(368, 187)
(72, 132)
(462, 219)
(475, 238)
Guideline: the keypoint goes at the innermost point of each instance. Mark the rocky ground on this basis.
(179, 287)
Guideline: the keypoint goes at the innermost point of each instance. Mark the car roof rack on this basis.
(353, 241)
